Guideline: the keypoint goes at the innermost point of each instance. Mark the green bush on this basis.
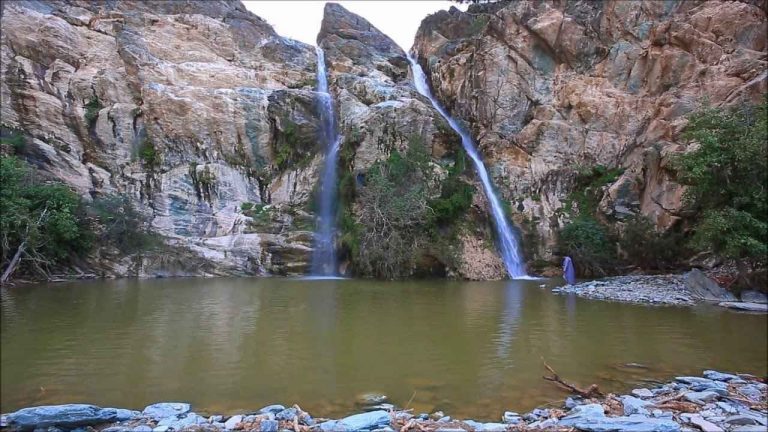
(588, 244)
(726, 177)
(148, 154)
(92, 109)
(649, 249)
(455, 195)
(44, 220)
(13, 139)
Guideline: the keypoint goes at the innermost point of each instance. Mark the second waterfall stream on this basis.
(324, 253)
(508, 245)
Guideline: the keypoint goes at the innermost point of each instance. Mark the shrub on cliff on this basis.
(727, 179)
(588, 244)
(42, 225)
(647, 248)
(121, 224)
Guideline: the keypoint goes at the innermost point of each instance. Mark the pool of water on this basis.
(471, 349)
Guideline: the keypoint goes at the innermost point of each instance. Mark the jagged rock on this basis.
(67, 416)
(705, 288)
(556, 85)
(754, 297)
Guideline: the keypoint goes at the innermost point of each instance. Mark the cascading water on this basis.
(324, 253)
(510, 250)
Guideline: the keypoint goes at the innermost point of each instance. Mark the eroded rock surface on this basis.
(552, 87)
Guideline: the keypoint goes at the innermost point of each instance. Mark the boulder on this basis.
(751, 307)
(162, 410)
(269, 426)
(633, 405)
(705, 288)
(66, 416)
(754, 297)
(365, 420)
(719, 376)
(233, 421)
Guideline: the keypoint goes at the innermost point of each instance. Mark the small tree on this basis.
(727, 177)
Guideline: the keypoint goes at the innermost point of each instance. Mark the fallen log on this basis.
(590, 392)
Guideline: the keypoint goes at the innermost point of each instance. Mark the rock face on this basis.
(223, 106)
(551, 87)
(705, 288)
(380, 111)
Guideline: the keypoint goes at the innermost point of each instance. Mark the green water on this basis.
(470, 349)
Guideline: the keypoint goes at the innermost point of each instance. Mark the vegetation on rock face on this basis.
(41, 224)
(727, 177)
(92, 109)
(122, 226)
(148, 154)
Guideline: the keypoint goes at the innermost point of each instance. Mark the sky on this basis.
(301, 19)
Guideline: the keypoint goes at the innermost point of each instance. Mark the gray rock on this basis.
(142, 428)
(695, 381)
(216, 418)
(445, 419)
(752, 307)
(383, 429)
(705, 288)
(269, 426)
(633, 405)
(698, 421)
(511, 417)
(124, 414)
(67, 416)
(161, 429)
(544, 424)
(166, 409)
(366, 420)
(274, 409)
(701, 397)
(182, 420)
(233, 421)
(719, 376)
(475, 425)
(754, 297)
(751, 391)
(371, 399)
(748, 429)
(287, 414)
(450, 429)
(626, 424)
(333, 426)
(728, 408)
(496, 427)
(641, 393)
(740, 420)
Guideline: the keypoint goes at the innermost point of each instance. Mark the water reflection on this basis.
(472, 349)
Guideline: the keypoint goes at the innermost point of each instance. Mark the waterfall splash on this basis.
(509, 248)
(324, 253)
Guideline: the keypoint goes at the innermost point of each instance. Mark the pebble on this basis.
(642, 393)
(657, 290)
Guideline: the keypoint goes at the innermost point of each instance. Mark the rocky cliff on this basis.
(189, 108)
(551, 88)
(206, 118)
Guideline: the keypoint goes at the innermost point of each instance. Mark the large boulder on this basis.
(705, 288)
(64, 416)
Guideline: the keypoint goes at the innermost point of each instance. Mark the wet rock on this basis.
(233, 421)
(751, 391)
(728, 408)
(269, 426)
(754, 297)
(69, 416)
(496, 427)
(751, 307)
(741, 420)
(511, 417)
(142, 428)
(274, 409)
(366, 420)
(633, 405)
(719, 376)
(287, 414)
(695, 381)
(333, 426)
(162, 410)
(642, 393)
(181, 421)
(543, 424)
(445, 419)
(699, 421)
(701, 397)
(705, 288)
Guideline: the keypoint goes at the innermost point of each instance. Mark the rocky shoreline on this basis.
(666, 290)
(715, 401)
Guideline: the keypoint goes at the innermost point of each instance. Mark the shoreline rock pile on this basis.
(715, 401)
(667, 290)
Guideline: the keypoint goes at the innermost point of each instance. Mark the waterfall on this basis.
(509, 248)
(324, 253)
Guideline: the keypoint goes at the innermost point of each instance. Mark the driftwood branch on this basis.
(589, 392)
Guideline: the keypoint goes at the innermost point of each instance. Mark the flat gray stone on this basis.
(269, 426)
(741, 420)
(642, 393)
(701, 397)
(67, 416)
(496, 427)
(719, 376)
(162, 410)
(142, 428)
(695, 381)
(233, 421)
(333, 426)
(181, 421)
(366, 420)
(274, 409)
(287, 414)
(699, 421)
(633, 405)
(752, 307)
(754, 297)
